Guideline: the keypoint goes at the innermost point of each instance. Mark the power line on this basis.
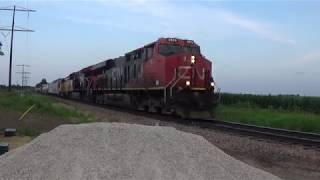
(12, 30)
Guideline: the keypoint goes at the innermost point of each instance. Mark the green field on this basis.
(288, 112)
(282, 102)
(43, 104)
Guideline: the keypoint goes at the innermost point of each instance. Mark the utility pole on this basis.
(24, 78)
(13, 29)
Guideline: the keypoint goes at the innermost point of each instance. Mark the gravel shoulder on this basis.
(288, 161)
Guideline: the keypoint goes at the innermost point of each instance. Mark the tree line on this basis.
(285, 102)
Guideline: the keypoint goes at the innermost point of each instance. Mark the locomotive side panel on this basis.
(153, 69)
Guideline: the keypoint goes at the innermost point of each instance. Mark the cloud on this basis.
(169, 18)
(310, 57)
(254, 26)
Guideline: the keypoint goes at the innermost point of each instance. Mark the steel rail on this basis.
(276, 134)
(290, 136)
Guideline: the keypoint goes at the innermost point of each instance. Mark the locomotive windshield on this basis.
(170, 49)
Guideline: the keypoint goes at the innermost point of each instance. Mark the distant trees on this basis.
(2, 86)
(43, 81)
(13, 86)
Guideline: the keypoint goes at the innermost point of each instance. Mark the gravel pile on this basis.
(122, 151)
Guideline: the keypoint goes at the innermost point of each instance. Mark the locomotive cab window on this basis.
(193, 50)
(170, 49)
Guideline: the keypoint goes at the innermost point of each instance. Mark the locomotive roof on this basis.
(178, 41)
(108, 62)
(99, 65)
(173, 40)
(56, 80)
(169, 40)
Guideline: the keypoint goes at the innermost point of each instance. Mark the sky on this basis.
(260, 47)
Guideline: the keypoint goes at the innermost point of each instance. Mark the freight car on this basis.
(53, 87)
(169, 75)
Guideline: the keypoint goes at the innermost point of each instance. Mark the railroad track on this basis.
(282, 135)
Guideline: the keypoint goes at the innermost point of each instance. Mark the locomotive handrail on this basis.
(174, 77)
(165, 88)
(179, 78)
(219, 95)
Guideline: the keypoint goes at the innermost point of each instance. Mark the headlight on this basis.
(212, 84)
(187, 83)
(193, 59)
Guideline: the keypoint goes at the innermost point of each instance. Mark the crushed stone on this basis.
(123, 151)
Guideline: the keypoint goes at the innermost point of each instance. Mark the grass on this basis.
(44, 104)
(245, 112)
(276, 118)
(286, 102)
(29, 132)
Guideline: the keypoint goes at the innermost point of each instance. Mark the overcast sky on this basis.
(261, 47)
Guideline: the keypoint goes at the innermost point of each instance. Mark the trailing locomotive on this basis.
(169, 75)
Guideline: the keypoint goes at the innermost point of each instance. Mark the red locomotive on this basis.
(168, 75)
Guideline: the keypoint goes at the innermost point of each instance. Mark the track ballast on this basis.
(276, 134)
(283, 135)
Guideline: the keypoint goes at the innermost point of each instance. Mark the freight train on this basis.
(169, 75)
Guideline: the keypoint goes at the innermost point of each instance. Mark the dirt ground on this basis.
(294, 162)
(16, 141)
(35, 121)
